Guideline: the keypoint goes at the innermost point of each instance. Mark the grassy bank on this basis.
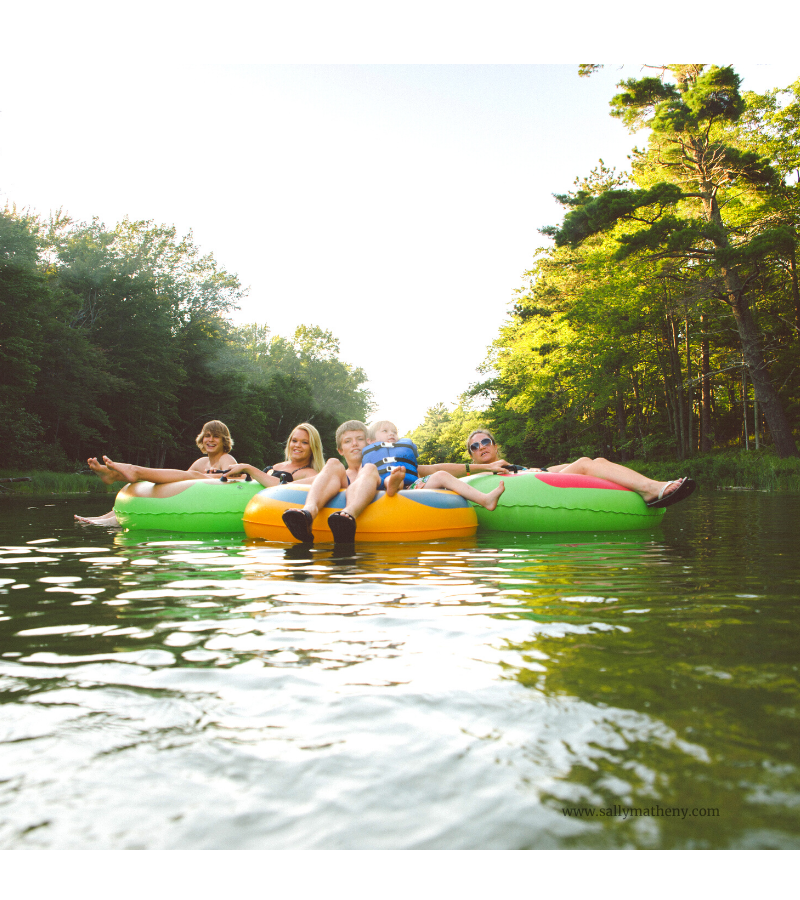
(759, 470)
(55, 483)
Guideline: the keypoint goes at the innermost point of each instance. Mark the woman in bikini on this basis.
(483, 448)
(303, 461)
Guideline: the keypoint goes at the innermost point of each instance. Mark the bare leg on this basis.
(362, 491)
(602, 468)
(394, 482)
(359, 495)
(110, 518)
(327, 484)
(132, 473)
(448, 482)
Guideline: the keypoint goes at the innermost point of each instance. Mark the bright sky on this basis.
(396, 205)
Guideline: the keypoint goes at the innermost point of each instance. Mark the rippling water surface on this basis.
(173, 691)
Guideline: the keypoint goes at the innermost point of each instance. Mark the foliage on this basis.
(665, 289)
(756, 470)
(119, 341)
(442, 435)
(709, 211)
(51, 482)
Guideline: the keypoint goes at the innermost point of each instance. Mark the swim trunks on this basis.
(419, 483)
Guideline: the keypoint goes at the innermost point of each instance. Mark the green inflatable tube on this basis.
(188, 506)
(534, 501)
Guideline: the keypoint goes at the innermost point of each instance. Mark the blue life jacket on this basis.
(388, 456)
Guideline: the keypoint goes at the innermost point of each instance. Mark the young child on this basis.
(385, 451)
(396, 461)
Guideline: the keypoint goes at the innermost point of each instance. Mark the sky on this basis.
(397, 205)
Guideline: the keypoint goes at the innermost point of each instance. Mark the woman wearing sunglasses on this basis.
(484, 451)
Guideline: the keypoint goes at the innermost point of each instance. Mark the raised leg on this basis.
(327, 484)
(359, 495)
(603, 468)
(394, 481)
(133, 473)
(103, 472)
(362, 491)
(446, 481)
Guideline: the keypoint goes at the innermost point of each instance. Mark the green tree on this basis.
(53, 378)
(313, 355)
(700, 212)
(442, 434)
(125, 316)
(119, 340)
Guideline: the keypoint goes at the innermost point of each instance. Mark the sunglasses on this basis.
(476, 446)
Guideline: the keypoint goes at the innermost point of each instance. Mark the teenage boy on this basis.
(360, 483)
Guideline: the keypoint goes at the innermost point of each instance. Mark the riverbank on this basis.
(54, 483)
(758, 470)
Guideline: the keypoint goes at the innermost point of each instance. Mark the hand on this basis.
(496, 466)
(238, 470)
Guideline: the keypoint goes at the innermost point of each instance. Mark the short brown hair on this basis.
(218, 429)
(352, 425)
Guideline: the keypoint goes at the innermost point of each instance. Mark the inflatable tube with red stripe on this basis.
(550, 501)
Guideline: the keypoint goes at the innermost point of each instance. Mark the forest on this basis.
(663, 320)
(120, 341)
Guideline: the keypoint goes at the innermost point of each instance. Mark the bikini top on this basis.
(284, 477)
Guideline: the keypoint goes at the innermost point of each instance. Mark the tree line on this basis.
(665, 318)
(120, 341)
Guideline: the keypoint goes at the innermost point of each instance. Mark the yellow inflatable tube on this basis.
(420, 515)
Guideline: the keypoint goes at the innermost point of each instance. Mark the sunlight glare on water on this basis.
(162, 691)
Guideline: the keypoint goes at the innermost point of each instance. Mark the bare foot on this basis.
(103, 472)
(123, 471)
(109, 519)
(491, 499)
(394, 482)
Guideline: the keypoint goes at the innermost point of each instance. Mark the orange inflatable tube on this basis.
(420, 515)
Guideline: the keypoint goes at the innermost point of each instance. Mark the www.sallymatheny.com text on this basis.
(627, 812)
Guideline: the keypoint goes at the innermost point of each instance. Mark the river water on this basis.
(615, 690)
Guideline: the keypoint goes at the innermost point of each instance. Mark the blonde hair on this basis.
(480, 431)
(352, 425)
(378, 426)
(315, 445)
(218, 429)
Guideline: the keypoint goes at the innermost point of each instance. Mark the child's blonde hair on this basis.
(378, 426)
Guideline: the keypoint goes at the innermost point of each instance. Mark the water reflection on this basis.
(169, 691)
